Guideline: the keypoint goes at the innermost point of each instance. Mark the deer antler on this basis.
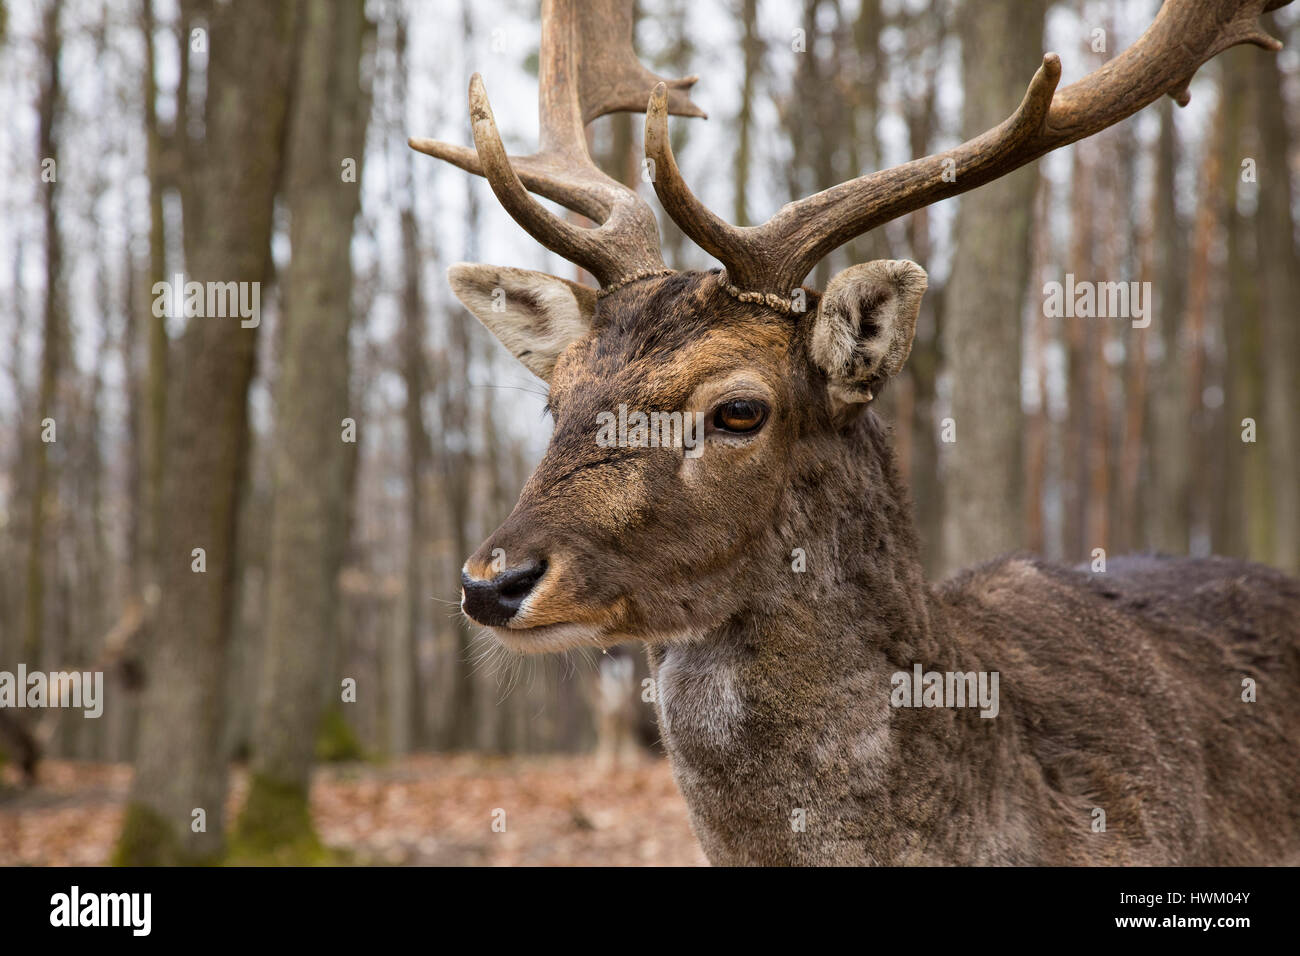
(587, 69)
(776, 256)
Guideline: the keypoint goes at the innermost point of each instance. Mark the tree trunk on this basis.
(181, 765)
(52, 331)
(1278, 267)
(983, 481)
(405, 727)
(1237, 466)
(1168, 506)
(454, 465)
(675, 61)
(1038, 426)
(327, 120)
(1198, 307)
(751, 46)
(154, 406)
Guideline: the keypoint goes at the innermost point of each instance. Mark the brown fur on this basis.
(1119, 690)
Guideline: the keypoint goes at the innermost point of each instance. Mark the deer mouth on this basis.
(549, 638)
(542, 627)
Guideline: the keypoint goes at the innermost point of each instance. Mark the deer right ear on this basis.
(863, 330)
(535, 315)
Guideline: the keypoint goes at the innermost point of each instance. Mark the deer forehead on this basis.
(672, 368)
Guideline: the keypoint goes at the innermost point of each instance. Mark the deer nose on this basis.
(497, 600)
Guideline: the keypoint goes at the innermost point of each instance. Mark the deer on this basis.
(1120, 695)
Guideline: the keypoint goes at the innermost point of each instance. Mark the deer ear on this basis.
(535, 315)
(863, 329)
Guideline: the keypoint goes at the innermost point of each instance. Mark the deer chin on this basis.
(545, 627)
(551, 638)
(565, 636)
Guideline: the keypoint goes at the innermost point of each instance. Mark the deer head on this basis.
(610, 542)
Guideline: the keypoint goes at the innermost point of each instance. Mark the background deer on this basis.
(1120, 692)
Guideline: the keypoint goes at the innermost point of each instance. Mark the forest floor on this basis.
(421, 810)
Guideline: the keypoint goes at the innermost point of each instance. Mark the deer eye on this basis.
(740, 415)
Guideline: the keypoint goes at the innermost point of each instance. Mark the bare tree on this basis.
(176, 804)
(1240, 483)
(53, 333)
(406, 726)
(983, 509)
(1278, 270)
(153, 406)
(326, 130)
(1168, 503)
(751, 46)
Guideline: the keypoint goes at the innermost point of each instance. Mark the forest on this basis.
(248, 436)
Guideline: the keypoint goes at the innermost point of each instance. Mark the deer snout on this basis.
(494, 601)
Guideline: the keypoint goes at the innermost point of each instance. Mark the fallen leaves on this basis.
(421, 810)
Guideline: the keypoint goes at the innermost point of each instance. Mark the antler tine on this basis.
(776, 256)
(533, 172)
(626, 243)
(731, 245)
(763, 258)
(588, 69)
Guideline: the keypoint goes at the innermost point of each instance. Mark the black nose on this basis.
(494, 602)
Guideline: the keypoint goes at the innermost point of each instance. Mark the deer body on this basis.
(772, 568)
(1138, 712)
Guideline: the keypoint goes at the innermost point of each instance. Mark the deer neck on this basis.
(780, 718)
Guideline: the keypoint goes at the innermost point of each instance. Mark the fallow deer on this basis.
(1119, 692)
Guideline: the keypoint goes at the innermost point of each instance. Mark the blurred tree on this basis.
(812, 116)
(860, 75)
(675, 60)
(1126, 523)
(1117, 347)
(53, 333)
(1200, 272)
(454, 462)
(1167, 504)
(915, 391)
(405, 726)
(1080, 361)
(1001, 43)
(13, 583)
(751, 47)
(326, 140)
(153, 401)
(1277, 267)
(234, 171)
(1038, 423)
(1240, 524)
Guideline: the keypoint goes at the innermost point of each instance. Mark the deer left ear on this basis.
(535, 315)
(862, 333)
